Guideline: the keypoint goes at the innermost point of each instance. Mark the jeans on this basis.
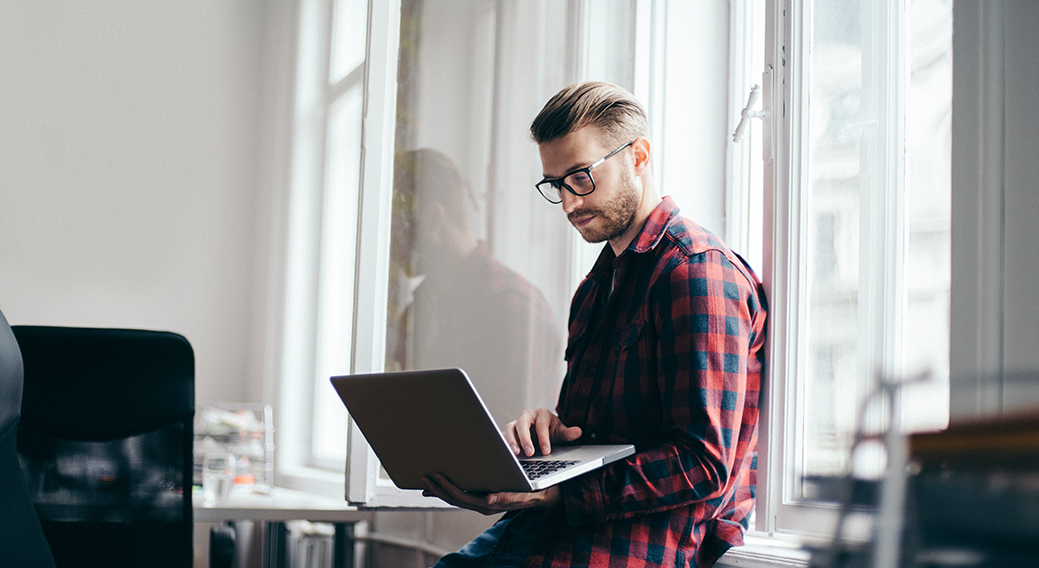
(505, 545)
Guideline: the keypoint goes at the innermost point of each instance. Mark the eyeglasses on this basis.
(578, 182)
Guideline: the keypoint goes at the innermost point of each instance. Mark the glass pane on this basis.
(833, 384)
(928, 203)
(867, 91)
(479, 260)
(338, 263)
(350, 22)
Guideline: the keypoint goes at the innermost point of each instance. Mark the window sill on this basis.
(766, 552)
(312, 480)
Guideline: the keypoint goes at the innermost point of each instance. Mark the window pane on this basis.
(928, 214)
(348, 37)
(479, 260)
(338, 260)
(877, 219)
(833, 384)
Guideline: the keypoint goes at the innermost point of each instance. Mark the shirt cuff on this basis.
(583, 499)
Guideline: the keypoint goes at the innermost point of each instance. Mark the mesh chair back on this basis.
(22, 543)
(106, 443)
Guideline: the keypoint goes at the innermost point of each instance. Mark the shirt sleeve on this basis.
(706, 324)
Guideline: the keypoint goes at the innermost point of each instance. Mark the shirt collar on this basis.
(655, 227)
(646, 240)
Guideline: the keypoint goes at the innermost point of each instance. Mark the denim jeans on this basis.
(505, 545)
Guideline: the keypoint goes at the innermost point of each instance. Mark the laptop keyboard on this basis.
(540, 468)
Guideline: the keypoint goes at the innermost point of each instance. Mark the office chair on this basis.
(106, 444)
(21, 538)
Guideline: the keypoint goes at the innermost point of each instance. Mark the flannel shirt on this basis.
(669, 361)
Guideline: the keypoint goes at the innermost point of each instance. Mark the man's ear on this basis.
(640, 149)
(434, 220)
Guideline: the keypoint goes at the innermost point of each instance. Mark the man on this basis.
(665, 351)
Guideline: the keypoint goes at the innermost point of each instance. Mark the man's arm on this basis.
(707, 326)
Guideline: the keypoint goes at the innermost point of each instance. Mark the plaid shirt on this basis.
(671, 362)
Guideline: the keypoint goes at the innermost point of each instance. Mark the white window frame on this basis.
(780, 510)
(362, 472)
(312, 244)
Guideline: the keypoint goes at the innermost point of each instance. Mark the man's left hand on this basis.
(489, 503)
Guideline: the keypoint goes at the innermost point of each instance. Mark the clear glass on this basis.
(478, 279)
(218, 474)
(349, 38)
(833, 385)
(862, 76)
(928, 212)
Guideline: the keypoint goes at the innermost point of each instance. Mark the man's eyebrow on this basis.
(568, 172)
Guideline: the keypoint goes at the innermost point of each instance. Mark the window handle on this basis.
(746, 113)
(856, 131)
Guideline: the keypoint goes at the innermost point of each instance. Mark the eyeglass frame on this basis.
(557, 183)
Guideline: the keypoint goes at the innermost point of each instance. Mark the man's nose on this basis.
(570, 201)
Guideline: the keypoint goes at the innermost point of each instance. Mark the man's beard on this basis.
(615, 216)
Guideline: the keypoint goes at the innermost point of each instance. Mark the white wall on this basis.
(132, 189)
(994, 312)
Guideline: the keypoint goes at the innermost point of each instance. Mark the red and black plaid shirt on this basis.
(671, 362)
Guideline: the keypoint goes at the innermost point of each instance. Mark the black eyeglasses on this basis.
(578, 182)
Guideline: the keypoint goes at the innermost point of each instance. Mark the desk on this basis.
(285, 505)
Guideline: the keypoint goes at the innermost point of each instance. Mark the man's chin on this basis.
(592, 237)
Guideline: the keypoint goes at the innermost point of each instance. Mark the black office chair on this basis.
(106, 444)
(22, 544)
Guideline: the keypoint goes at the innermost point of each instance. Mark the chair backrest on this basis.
(106, 443)
(22, 543)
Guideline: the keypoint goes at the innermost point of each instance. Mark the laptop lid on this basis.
(420, 423)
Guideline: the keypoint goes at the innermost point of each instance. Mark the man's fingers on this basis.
(510, 437)
(539, 426)
(521, 428)
(570, 434)
(544, 424)
(442, 488)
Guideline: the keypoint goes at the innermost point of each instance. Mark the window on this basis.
(322, 234)
(481, 268)
(846, 217)
(857, 240)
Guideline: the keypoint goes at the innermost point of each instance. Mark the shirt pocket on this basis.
(629, 335)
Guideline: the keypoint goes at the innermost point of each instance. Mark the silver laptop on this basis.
(420, 423)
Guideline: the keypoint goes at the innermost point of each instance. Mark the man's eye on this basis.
(581, 178)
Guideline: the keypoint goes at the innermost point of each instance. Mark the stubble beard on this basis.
(615, 216)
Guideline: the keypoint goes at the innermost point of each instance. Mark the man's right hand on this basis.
(546, 427)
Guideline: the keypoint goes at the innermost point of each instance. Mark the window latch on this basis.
(747, 113)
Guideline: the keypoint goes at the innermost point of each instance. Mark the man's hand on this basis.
(488, 503)
(546, 427)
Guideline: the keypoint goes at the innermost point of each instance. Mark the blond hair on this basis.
(592, 103)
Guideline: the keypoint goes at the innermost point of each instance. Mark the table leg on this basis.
(343, 546)
(275, 544)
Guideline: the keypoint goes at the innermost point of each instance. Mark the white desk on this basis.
(280, 506)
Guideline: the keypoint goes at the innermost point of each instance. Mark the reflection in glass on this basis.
(453, 304)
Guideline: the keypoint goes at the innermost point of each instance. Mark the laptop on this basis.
(420, 423)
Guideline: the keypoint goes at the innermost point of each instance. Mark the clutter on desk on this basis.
(246, 431)
(971, 500)
(976, 490)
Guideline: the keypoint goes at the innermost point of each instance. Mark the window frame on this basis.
(781, 265)
(786, 79)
